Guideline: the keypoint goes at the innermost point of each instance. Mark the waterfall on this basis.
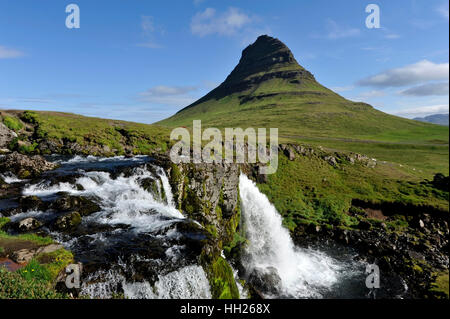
(304, 273)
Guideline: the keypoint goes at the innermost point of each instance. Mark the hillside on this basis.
(268, 88)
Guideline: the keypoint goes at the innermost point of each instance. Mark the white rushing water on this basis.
(123, 200)
(304, 273)
(186, 283)
(10, 178)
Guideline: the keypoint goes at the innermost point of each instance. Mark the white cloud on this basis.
(169, 95)
(8, 53)
(421, 111)
(440, 88)
(149, 30)
(210, 22)
(335, 31)
(421, 71)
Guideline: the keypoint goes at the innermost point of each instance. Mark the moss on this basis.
(220, 275)
(440, 287)
(55, 262)
(4, 221)
(24, 174)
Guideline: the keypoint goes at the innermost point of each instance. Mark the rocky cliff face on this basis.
(209, 194)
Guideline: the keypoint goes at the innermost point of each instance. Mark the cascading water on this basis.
(134, 234)
(304, 273)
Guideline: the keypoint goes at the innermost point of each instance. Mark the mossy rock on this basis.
(221, 279)
(68, 221)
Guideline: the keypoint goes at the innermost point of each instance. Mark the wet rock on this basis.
(25, 166)
(29, 224)
(30, 203)
(67, 221)
(82, 205)
(265, 280)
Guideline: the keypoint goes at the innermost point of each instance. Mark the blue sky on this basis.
(144, 60)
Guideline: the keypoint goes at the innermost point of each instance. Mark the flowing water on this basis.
(133, 246)
(304, 273)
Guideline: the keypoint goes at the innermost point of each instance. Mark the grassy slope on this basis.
(309, 189)
(89, 131)
(311, 113)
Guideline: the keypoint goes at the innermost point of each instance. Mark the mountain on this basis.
(441, 119)
(268, 88)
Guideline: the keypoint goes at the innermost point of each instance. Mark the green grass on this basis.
(308, 189)
(96, 136)
(12, 123)
(440, 287)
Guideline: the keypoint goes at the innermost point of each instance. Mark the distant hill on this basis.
(441, 119)
(268, 88)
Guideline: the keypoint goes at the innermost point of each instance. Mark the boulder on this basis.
(265, 280)
(30, 203)
(29, 224)
(82, 205)
(25, 166)
(68, 221)
(6, 136)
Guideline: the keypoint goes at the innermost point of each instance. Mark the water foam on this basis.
(189, 282)
(123, 200)
(304, 273)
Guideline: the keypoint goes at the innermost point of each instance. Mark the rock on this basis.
(23, 255)
(25, 166)
(26, 254)
(68, 221)
(30, 203)
(6, 136)
(82, 205)
(331, 160)
(265, 280)
(421, 224)
(49, 249)
(28, 224)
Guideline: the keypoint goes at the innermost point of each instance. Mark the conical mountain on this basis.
(268, 88)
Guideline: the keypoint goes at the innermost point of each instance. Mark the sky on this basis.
(143, 61)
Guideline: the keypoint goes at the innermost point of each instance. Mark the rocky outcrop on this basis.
(6, 136)
(25, 166)
(209, 194)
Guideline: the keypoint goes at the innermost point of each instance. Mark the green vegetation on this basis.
(309, 190)
(223, 285)
(12, 123)
(37, 278)
(70, 133)
(440, 287)
(14, 286)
